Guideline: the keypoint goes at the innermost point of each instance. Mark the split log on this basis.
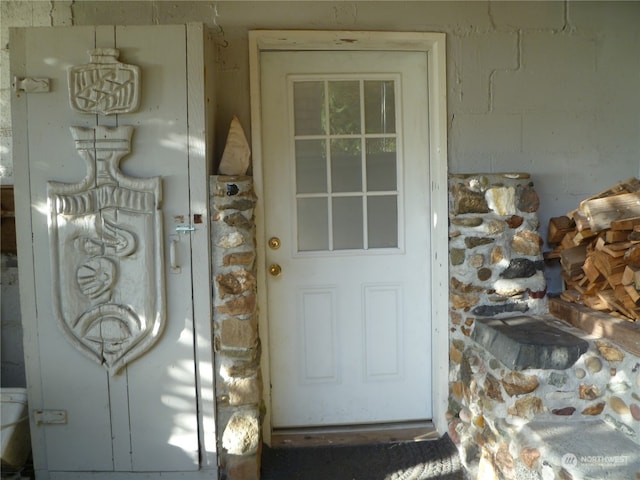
(600, 212)
(598, 245)
(573, 258)
(559, 227)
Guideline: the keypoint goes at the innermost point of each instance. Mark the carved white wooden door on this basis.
(345, 155)
(106, 223)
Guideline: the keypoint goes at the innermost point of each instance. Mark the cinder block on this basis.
(610, 16)
(558, 132)
(469, 162)
(527, 15)
(106, 13)
(475, 58)
(487, 133)
(544, 90)
(617, 131)
(558, 73)
(559, 52)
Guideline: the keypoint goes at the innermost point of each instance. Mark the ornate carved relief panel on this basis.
(107, 253)
(105, 85)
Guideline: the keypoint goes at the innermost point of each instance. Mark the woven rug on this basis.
(425, 460)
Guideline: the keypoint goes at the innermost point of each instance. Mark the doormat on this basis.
(435, 459)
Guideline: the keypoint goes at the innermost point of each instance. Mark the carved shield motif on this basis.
(105, 85)
(107, 253)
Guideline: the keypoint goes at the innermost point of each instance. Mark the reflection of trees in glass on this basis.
(381, 145)
(344, 107)
(308, 101)
(379, 106)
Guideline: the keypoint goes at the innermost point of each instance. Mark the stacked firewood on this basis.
(598, 245)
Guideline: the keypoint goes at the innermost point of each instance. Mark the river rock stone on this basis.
(516, 383)
(529, 456)
(593, 364)
(528, 200)
(634, 408)
(495, 227)
(526, 243)
(595, 409)
(619, 406)
(566, 411)
(473, 242)
(557, 379)
(580, 373)
(465, 415)
(519, 268)
(497, 254)
(526, 407)
(231, 240)
(484, 274)
(476, 260)
(492, 388)
(461, 287)
(493, 310)
(514, 221)
(588, 392)
(455, 355)
(504, 461)
(468, 222)
(241, 435)
(457, 256)
(466, 200)
(236, 282)
(501, 200)
(462, 301)
(609, 352)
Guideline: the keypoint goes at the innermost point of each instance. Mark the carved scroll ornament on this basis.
(107, 253)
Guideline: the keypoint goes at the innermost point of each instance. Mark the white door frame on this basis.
(433, 45)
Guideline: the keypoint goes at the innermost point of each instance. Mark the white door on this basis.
(110, 344)
(345, 162)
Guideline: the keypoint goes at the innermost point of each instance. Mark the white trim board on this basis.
(433, 44)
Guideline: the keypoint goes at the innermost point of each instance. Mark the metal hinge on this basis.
(50, 417)
(31, 84)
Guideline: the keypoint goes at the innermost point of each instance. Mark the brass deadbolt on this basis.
(274, 243)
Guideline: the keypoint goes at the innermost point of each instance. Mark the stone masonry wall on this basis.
(495, 255)
(235, 318)
(496, 272)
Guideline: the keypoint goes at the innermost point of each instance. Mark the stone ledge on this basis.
(599, 324)
(523, 342)
(588, 449)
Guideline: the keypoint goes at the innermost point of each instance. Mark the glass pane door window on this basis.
(347, 163)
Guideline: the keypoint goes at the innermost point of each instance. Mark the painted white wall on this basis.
(548, 88)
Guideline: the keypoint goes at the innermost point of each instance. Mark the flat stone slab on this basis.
(588, 450)
(526, 342)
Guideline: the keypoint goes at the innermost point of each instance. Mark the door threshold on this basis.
(354, 434)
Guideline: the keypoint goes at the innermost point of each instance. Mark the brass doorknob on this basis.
(275, 270)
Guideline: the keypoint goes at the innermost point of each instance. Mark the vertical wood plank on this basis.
(200, 152)
(70, 381)
(162, 394)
